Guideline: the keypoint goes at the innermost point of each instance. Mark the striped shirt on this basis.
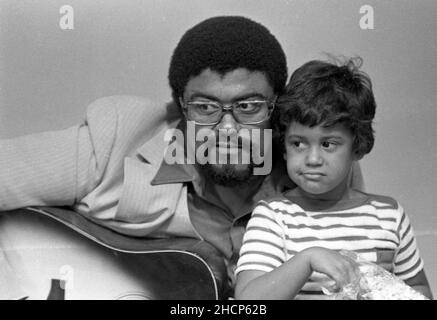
(375, 227)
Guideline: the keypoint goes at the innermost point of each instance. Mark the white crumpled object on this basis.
(374, 283)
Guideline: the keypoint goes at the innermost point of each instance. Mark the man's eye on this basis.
(205, 107)
(250, 107)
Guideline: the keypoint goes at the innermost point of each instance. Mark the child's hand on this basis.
(341, 269)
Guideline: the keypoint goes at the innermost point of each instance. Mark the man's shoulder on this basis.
(128, 116)
(122, 100)
(126, 123)
(124, 104)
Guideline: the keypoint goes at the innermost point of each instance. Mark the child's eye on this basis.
(330, 145)
(296, 144)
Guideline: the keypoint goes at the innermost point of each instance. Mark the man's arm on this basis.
(62, 167)
(59, 167)
(39, 169)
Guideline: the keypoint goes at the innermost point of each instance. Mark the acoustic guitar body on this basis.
(53, 256)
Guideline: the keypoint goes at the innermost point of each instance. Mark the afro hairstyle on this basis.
(223, 44)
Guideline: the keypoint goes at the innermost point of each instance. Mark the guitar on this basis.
(55, 253)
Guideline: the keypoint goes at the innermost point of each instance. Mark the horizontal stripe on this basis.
(262, 241)
(368, 254)
(256, 266)
(274, 241)
(390, 205)
(340, 233)
(363, 208)
(401, 223)
(262, 230)
(412, 251)
(261, 257)
(346, 238)
(405, 260)
(414, 268)
(348, 223)
(406, 247)
(337, 225)
(326, 215)
(263, 249)
(406, 232)
(258, 215)
(277, 252)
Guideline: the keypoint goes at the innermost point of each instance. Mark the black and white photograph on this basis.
(218, 150)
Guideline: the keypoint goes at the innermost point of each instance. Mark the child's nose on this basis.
(314, 157)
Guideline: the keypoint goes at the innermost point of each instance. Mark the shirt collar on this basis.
(173, 173)
(176, 172)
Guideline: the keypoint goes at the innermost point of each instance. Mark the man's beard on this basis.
(232, 161)
(228, 175)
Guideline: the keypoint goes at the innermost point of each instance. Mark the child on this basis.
(290, 248)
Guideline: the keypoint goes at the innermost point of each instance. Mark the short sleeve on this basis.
(263, 246)
(407, 260)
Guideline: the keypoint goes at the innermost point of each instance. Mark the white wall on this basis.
(49, 75)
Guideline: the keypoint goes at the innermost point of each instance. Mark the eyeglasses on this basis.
(211, 112)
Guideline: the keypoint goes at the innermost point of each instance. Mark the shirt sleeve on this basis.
(407, 260)
(57, 168)
(263, 246)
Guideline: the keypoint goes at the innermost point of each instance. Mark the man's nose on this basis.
(314, 157)
(228, 123)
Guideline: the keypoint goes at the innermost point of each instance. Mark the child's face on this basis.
(319, 159)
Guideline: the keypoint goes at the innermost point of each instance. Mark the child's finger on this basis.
(340, 277)
(348, 272)
(354, 271)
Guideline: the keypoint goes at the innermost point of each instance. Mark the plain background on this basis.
(48, 75)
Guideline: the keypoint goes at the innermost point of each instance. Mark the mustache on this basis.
(230, 138)
(237, 142)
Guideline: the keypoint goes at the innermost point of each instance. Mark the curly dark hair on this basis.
(223, 44)
(324, 93)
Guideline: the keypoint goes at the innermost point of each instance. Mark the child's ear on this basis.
(284, 155)
(358, 156)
